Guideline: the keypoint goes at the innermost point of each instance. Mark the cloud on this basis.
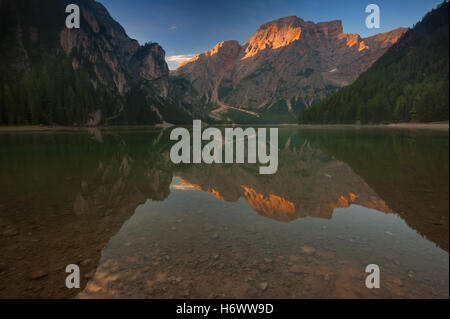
(179, 58)
(182, 187)
(175, 60)
(173, 27)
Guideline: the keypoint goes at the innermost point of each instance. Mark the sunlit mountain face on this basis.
(140, 226)
(284, 67)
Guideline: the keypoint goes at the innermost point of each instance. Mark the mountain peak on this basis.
(290, 20)
(274, 35)
(387, 38)
(224, 47)
(286, 64)
(225, 50)
(284, 31)
(331, 28)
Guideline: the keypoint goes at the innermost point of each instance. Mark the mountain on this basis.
(285, 66)
(408, 83)
(92, 75)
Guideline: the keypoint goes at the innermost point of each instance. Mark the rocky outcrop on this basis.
(103, 45)
(34, 33)
(287, 63)
(149, 63)
(100, 45)
(211, 64)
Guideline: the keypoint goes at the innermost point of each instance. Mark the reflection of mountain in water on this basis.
(62, 203)
(308, 183)
(407, 168)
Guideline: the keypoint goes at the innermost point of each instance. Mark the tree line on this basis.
(51, 92)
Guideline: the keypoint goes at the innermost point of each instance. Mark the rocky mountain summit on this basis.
(92, 75)
(115, 58)
(285, 66)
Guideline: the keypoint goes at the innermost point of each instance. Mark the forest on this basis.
(51, 92)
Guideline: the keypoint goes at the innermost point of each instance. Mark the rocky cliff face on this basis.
(103, 44)
(208, 67)
(32, 31)
(284, 66)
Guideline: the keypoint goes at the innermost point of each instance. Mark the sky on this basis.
(185, 28)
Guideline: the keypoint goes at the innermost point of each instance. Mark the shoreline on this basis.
(436, 125)
(45, 128)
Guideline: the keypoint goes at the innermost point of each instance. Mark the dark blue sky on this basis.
(184, 28)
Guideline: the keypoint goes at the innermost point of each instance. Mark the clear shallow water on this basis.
(141, 227)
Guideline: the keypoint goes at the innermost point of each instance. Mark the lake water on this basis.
(141, 227)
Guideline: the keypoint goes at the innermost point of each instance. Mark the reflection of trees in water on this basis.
(65, 195)
(407, 168)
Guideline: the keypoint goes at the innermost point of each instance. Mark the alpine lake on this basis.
(139, 226)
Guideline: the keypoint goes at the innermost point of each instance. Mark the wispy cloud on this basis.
(175, 60)
(173, 27)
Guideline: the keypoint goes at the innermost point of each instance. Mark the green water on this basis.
(140, 226)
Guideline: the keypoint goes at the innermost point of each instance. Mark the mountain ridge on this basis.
(287, 63)
(408, 83)
(90, 76)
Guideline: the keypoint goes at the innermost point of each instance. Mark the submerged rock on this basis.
(38, 274)
(299, 269)
(263, 286)
(308, 250)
